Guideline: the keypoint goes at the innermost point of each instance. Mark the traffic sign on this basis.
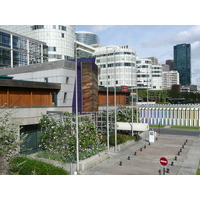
(163, 161)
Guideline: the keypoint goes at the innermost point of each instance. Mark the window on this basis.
(63, 28)
(35, 27)
(54, 26)
(52, 48)
(63, 35)
(65, 97)
(46, 80)
(67, 80)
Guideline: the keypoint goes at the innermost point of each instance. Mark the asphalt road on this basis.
(175, 131)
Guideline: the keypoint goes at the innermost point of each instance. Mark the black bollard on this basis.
(135, 153)
(175, 158)
(159, 171)
(186, 140)
(129, 157)
(144, 146)
(167, 171)
(178, 153)
(172, 163)
(149, 143)
(156, 138)
(180, 150)
(183, 146)
(140, 149)
(120, 163)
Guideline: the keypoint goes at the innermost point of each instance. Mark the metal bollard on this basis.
(120, 163)
(129, 157)
(144, 146)
(180, 150)
(172, 163)
(159, 171)
(156, 138)
(175, 158)
(135, 153)
(149, 143)
(178, 153)
(140, 149)
(167, 171)
(183, 146)
(186, 140)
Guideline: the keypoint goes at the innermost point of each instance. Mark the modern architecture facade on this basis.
(144, 73)
(17, 50)
(88, 38)
(156, 77)
(59, 38)
(170, 78)
(182, 63)
(61, 71)
(117, 66)
(83, 51)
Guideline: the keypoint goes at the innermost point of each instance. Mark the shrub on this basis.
(120, 139)
(22, 165)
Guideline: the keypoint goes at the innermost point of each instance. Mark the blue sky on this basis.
(152, 40)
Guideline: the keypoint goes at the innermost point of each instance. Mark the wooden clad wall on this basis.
(25, 97)
(89, 87)
(120, 99)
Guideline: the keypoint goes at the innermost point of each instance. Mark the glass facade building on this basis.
(88, 38)
(182, 62)
(17, 50)
(59, 38)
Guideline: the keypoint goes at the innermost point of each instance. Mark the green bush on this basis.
(22, 165)
(120, 139)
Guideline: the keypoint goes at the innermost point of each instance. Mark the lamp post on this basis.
(77, 142)
(115, 104)
(107, 103)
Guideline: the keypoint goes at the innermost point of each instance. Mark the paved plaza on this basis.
(146, 160)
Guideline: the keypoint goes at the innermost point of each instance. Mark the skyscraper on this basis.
(182, 62)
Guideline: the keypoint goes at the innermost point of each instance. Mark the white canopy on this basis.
(136, 126)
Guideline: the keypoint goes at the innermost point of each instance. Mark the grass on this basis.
(198, 172)
(156, 126)
(22, 165)
(185, 127)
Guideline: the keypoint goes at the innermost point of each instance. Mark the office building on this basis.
(144, 73)
(88, 38)
(154, 60)
(182, 63)
(17, 50)
(119, 59)
(171, 64)
(156, 77)
(84, 50)
(59, 38)
(170, 78)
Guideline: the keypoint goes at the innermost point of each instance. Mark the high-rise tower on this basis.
(182, 62)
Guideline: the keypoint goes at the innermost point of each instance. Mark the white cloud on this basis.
(99, 28)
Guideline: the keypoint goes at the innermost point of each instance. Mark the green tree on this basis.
(9, 137)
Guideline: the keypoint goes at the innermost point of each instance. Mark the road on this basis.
(175, 131)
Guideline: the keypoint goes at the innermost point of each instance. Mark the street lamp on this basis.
(77, 142)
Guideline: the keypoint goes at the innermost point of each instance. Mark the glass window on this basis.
(54, 26)
(63, 35)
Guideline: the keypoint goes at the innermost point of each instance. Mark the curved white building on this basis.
(88, 38)
(122, 59)
(59, 38)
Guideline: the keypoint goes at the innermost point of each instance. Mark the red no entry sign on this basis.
(163, 161)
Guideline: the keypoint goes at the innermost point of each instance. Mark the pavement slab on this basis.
(146, 162)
